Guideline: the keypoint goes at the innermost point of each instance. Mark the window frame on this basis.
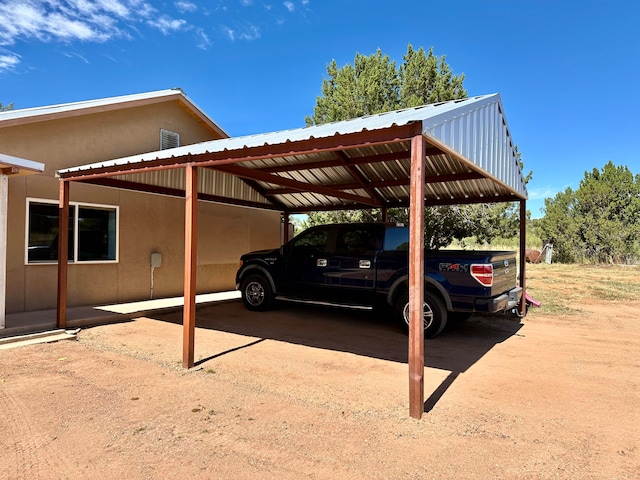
(76, 206)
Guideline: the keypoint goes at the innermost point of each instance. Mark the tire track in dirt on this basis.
(26, 452)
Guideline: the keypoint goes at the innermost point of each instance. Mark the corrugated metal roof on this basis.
(345, 164)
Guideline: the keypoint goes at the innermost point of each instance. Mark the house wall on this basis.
(148, 223)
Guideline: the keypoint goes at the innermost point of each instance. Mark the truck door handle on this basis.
(321, 262)
(364, 263)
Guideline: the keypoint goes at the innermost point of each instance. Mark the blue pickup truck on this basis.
(365, 266)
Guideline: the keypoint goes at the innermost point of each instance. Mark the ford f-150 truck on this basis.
(365, 265)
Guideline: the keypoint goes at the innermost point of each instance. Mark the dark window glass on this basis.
(365, 240)
(43, 232)
(314, 240)
(397, 238)
(96, 234)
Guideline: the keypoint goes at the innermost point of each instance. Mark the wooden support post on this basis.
(416, 278)
(63, 254)
(285, 227)
(190, 265)
(4, 207)
(384, 213)
(523, 247)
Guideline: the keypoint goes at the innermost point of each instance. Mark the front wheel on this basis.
(435, 314)
(256, 292)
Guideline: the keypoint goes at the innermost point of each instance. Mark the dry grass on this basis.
(563, 288)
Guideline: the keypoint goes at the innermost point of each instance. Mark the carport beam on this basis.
(416, 277)
(190, 264)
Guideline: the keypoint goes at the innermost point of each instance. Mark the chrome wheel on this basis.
(435, 313)
(257, 293)
(254, 293)
(427, 318)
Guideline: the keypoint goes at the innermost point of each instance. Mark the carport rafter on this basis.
(400, 182)
(253, 174)
(337, 162)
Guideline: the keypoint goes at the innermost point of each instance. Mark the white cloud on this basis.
(228, 32)
(184, 6)
(541, 193)
(68, 21)
(64, 20)
(7, 62)
(167, 24)
(202, 40)
(76, 55)
(251, 33)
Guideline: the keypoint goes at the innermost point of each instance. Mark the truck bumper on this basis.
(501, 303)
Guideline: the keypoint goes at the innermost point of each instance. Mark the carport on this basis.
(452, 152)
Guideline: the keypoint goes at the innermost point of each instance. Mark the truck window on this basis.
(364, 240)
(314, 240)
(397, 239)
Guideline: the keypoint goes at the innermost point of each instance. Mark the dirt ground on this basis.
(303, 392)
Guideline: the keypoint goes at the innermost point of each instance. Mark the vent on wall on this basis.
(169, 139)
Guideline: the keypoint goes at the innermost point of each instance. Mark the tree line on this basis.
(599, 222)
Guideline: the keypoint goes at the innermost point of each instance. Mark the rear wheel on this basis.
(435, 314)
(256, 292)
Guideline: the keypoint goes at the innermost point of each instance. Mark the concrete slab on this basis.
(45, 320)
(41, 337)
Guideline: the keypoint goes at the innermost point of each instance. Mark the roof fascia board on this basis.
(239, 152)
(65, 110)
(202, 116)
(87, 107)
(23, 165)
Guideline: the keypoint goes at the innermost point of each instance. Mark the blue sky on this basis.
(567, 71)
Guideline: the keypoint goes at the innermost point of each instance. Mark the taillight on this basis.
(483, 273)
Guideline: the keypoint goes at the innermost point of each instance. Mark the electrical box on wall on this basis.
(156, 260)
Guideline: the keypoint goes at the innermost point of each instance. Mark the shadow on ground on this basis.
(360, 333)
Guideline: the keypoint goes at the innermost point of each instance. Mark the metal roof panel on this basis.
(471, 135)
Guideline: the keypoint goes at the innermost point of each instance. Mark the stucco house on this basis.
(115, 233)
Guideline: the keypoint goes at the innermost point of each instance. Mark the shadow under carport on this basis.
(362, 333)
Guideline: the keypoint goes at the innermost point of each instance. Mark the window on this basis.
(93, 232)
(169, 139)
(397, 238)
(362, 240)
(314, 240)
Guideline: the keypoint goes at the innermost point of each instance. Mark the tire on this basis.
(435, 314)
(257, 294)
